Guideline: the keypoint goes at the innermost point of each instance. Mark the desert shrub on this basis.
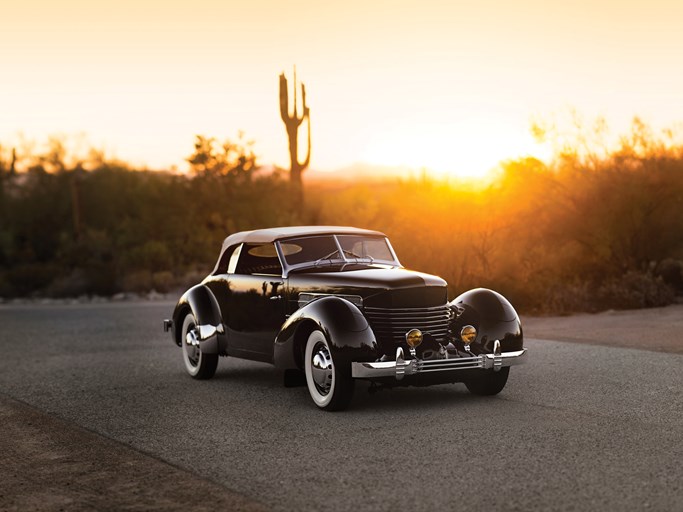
(138, 281)
(102, 278)
(162, 281)
(568, 298)
(152, 255)
(633, 290)
(30, 278)
(190, 277)
(574, 234)
(671, 272)
(72, 284)
(544, 296)
(6, 290)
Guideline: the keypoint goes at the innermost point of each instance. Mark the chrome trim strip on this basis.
(393, 253)
(497, 356)
(281, 257)
(339, 248)
(408, 324)
(400, 364)
(400, 311)
(401, 367)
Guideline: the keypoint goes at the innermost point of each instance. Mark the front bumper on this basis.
(402, 367)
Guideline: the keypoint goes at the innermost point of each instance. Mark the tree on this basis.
(226, 159)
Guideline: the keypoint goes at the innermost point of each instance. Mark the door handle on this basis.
(276, 297)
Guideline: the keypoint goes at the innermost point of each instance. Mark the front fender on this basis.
(348, 333)
(203, 304)
(492, 316)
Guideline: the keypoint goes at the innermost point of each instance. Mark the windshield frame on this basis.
(344, 260)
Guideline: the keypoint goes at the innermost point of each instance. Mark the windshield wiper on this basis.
(325, 258)
(319, 263)
(358, 256)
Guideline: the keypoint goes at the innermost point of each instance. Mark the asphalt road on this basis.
(580, 427)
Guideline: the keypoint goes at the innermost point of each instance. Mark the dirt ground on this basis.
(47, 464)
(657, 329)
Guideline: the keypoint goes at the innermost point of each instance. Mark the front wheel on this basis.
(491, 383)
(330, 387)
(198, 365)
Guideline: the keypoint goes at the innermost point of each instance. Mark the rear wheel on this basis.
(330, 386)
(198, 365)
(491, 383)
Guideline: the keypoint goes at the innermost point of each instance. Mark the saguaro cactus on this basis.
(292, 123)
(13, 163)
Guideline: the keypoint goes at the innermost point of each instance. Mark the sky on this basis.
(450, 86)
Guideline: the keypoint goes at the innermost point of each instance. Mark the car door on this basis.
(254, 305)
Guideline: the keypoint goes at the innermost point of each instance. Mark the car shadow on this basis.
(260, 376)
(257, 374)
(411, 397)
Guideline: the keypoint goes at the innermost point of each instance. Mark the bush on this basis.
(569, 298)
(72, 285)
(634, 290)
(671, 272)
(139, 281)
(162, 281)
(571, 235)
(30, 278)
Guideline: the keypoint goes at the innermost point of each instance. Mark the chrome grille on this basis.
(391, 325)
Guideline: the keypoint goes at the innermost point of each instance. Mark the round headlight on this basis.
(468, 334)
(413, 337)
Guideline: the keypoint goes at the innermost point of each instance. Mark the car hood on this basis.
(379, 287)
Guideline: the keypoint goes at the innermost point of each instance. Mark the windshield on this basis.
(325, 250)
(310, 250)
(363, 247)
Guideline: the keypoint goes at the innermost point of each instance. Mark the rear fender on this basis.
(201, 302)
(348, 333)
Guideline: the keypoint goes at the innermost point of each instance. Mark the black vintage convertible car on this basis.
(330, 305)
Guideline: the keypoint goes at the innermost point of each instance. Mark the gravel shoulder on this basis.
(657, 329)
(49, 464)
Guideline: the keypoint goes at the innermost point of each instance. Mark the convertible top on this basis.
(264, 236)
(269, 235)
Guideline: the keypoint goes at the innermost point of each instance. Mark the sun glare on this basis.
(457, 153)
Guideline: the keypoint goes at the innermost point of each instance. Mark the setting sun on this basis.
(450, 151)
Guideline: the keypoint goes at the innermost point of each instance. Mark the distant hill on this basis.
(353, 173)
(361, 172)
(365, 172)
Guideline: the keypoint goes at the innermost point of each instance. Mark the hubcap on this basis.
(321, 368)
(192, 350)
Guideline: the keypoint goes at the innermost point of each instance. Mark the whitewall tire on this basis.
(197, 364)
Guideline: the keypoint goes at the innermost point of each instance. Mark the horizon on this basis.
(450, 89)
